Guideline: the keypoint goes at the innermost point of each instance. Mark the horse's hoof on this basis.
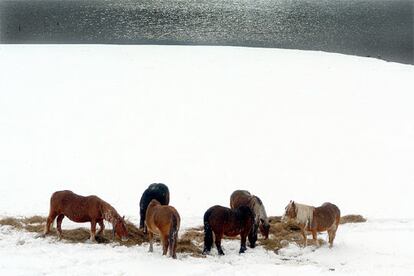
(221, 253)
(252, 245)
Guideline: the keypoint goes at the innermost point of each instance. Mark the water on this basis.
(376, 28)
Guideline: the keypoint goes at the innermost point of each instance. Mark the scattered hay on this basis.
(274, 219)
(194, 234)
(15, 223)
(190, 242)
(352, 219)
(34, 220)
(188, 247)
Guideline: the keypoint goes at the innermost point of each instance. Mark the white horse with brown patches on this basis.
(314, 219)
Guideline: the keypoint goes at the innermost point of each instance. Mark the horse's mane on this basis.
(108, 212)
(258, 208)
(304, 213)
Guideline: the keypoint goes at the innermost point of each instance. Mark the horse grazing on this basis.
(244, 198)
(225, 221)
(165, 221)
(315, 219)
(156, 191)
(84, 209)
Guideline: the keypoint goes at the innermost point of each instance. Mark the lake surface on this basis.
(376, 28)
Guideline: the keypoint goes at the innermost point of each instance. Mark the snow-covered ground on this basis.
(284, 124)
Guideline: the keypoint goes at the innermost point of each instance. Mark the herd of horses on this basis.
(245, 217)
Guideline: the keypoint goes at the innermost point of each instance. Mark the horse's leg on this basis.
(315, 237)
(332, 234)
(59, 225)
(101, 227)
(174, 246)
(93, 231)
(142, 224)
(150, 236)
(165, 243)
(217, 241)
(253, 235)
(49, 221)
(305, 239)
(243, 243)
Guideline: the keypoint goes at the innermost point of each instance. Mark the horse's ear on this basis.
(123, 217)
(293, 203)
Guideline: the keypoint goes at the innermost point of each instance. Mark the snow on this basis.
(284, 124)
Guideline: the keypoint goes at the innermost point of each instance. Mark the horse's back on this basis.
(159, 219)
(228, 221)
(76, 207)
(240, 198)
(332, 208)
(158, 191)
(63, 197)
(326, 215)
(217, 215)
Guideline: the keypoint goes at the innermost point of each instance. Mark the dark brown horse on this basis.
(165, 221)
(261, 221)
(225, 221)
(84, 209)
(156, 191)
(315, 219)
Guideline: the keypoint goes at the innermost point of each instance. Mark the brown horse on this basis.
(315, 219)
(84, 209)
(244, 198)
(165, 221)
(225, 221)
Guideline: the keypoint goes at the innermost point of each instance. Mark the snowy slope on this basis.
(284, 124)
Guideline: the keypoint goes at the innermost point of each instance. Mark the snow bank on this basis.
(109, 120)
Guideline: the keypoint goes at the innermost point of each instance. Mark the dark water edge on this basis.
(377, 28)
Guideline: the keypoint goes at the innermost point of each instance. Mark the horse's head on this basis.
(120, 229)
(264, 229)
(290, 211)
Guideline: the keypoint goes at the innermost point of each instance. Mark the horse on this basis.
(244, 198)
(165, 221)
(84, 209)
(314, 219)
(225, 221)
(156, 191)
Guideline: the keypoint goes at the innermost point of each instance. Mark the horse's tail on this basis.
(338, 217)
(173, 237)
(208, 233)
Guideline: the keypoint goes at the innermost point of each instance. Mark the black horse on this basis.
(225, 221)
(156, 191)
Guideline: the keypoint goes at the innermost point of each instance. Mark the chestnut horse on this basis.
(315, 219)
(225, 221)
(165, 221)
(156, 191)
(244, 198)
(84, 209)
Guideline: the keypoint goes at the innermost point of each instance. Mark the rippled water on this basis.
(378, 28)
